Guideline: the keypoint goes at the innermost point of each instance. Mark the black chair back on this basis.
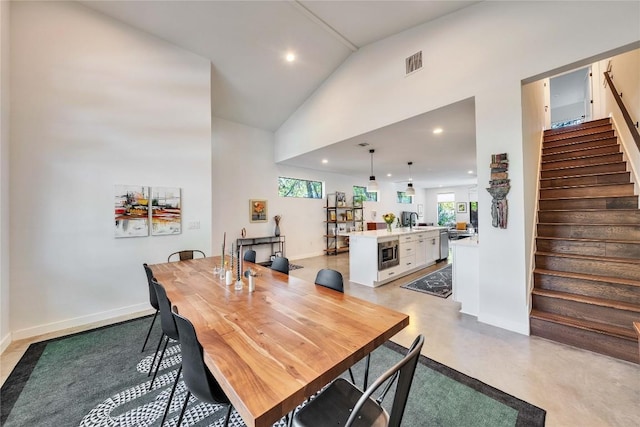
(166, 317)
(250, 256)
(331, 279)
(153, 299)
(280, 264)
(197, 377)
(186, 254)
(402, 372)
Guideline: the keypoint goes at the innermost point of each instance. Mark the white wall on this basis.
(5, 307)
(463, 193)
(625, 69)
(500, 44)
(244, 169)
(95, 103)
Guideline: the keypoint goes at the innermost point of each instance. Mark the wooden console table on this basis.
(275, 242)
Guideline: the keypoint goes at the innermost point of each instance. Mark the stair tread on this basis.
(580, 276)
(582, 239)
(603, 302)
(618, 224)
(590, 257)
(576, 150)
(587, 197)
(579, 158)
(586, 324)
(566, 187)
(585, 175)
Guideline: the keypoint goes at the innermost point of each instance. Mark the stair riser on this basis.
(603, 267)
(613, 190)
(616, 178)
(627, 217)
(553, 144)
(630, 202)
(590, 248)
(584, 170)
(591, 312)
(565, 155)
(591, 288)
(578, 132)
(584, 161)
(629, 233)
(600, 343)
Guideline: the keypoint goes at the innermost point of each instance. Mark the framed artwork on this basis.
(166, 214)
(349, 215)
(341, 199)
(332, 215)
(257, 210)
(131, 211)
(461, 207)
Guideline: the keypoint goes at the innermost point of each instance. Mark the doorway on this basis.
(570, 95)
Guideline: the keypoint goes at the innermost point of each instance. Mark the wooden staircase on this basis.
(587, 262)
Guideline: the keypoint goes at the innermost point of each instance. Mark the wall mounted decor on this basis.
(166, 214)
(257, 210)
(461, 207)
(499, 188)
(131, 211)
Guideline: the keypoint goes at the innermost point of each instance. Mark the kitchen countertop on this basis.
(471, 241)
(394, 232)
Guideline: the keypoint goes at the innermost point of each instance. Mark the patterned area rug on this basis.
(437, 283)
(99, 378)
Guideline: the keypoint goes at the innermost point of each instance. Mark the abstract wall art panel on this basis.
(166, 214)
(131, 211)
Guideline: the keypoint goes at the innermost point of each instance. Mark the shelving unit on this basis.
(341, 218)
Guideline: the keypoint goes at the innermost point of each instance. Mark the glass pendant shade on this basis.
(410, 191)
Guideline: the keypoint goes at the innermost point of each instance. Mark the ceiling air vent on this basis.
(414, 62)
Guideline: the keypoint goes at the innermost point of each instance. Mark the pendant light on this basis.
(372, 187)
(410, 191)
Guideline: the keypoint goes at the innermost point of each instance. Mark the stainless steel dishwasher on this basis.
(444, 244)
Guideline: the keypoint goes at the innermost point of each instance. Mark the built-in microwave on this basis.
(388, 254)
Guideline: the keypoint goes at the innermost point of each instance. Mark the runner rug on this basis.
(437, 283)
(99, 378)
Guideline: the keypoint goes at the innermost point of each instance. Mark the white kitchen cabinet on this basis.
(417, 248)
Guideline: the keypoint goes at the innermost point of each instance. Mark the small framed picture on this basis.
(257, 210)
(332, 215)
(461, 207)
(349, 215)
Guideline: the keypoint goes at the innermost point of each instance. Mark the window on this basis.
(303, 188)
(364, 195)
(446, 209)
(403, 198)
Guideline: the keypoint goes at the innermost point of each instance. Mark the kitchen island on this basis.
(377, 257)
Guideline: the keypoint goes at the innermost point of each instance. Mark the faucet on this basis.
(411, 221)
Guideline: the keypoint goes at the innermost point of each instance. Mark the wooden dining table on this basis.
(271, 348)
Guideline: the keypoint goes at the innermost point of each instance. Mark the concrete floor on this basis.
(576, 387)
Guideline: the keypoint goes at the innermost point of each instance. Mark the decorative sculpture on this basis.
(499, 188)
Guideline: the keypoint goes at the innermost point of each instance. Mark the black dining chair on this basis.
(153, 300)
(169, 330)
(280, 264)
(332, 279)
(250, 255)
(344, 404)
(186, 254)
(197, 377)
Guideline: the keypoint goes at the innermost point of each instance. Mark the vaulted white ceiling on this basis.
(253, 84)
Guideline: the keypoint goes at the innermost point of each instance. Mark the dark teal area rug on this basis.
(99, 378)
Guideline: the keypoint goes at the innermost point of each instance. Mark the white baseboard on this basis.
(521, 328)
(4, 343)
(77, 324)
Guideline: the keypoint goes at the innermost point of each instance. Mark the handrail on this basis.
(625, 113)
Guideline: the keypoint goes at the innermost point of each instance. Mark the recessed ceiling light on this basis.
(469, 171)
(437, 130)
(389, 174)
(290, 57)
(325, 161)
